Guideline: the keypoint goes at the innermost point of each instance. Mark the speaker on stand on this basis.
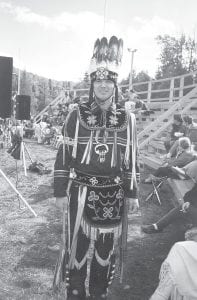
(6, 69)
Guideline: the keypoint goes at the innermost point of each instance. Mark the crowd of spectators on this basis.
(181, 147)
(177, 278)
(45, 131)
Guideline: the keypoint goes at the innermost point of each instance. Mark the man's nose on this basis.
(103, 84)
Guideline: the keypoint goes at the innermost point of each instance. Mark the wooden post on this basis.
(171, 90)
(149, 92)
(181, 87)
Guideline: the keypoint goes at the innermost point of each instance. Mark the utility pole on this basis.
(131, 70)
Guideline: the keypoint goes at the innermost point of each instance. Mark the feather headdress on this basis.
(106, 59)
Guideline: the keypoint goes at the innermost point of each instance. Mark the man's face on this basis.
(176, 122)
(134, 97)
(103, 90)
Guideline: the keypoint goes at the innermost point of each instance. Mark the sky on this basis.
(55, 38)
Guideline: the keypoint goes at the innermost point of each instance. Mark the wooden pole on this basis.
(171, 90)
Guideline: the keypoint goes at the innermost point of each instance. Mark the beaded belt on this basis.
(94, 180)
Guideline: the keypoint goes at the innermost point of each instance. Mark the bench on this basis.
(180, 187)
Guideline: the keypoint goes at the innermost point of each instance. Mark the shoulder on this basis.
(70, 122)
(72, 115)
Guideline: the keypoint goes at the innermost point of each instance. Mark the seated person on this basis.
(189, 207)
(140, 106)
(185, 155)
(178, 280)
(191, 133)
(189, 123)
(178, 130)
(187, 172)
(192, 130)
(28, 129)
(48, 134)
(134, 103)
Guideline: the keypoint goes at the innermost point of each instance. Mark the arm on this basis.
(179, 171)
(131, 171)
(183, 159)
(63, 159)
(165, 285)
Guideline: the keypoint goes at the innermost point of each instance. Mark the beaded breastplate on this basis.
(113, 119)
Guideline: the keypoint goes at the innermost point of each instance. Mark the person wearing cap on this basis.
(178, 130)
(190, 130)
(184, 156)
(96, 175)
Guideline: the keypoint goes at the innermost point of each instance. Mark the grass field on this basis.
(26, 245)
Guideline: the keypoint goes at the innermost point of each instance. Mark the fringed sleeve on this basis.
(131, 162)
(64, 156)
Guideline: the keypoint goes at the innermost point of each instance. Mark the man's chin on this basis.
(104, 106)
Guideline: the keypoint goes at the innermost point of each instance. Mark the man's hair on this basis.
(188, 119)
(178, 118)
(184, 142)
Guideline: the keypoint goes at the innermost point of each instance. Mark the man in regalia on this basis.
(96, 175)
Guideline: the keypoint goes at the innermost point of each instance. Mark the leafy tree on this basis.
(142, 76)
(177, 56)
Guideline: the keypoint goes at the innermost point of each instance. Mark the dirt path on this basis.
(27, 261)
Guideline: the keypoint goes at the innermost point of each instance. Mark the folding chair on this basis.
(156, 187)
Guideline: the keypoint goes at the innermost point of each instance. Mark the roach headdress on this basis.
(106, 59)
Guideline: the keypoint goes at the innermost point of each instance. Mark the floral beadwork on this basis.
(91, 120)
(113, 120)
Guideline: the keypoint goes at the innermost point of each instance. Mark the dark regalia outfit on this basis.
(97, 167)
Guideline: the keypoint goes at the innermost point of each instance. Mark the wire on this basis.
(104, 17)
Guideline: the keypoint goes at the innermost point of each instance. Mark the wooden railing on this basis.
(153, 92)
(160, 124)
(61, 97)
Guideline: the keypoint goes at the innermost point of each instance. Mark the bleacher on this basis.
(180, 97)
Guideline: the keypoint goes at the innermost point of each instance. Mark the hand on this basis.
(185, 207)
(178, 134)
(133, 205)
(61, 201)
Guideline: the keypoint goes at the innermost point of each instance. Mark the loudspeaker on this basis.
(23, 107)
(6, 69)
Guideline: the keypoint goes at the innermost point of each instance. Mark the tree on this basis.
(177, 56)
(86, 77)
(142, 76)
